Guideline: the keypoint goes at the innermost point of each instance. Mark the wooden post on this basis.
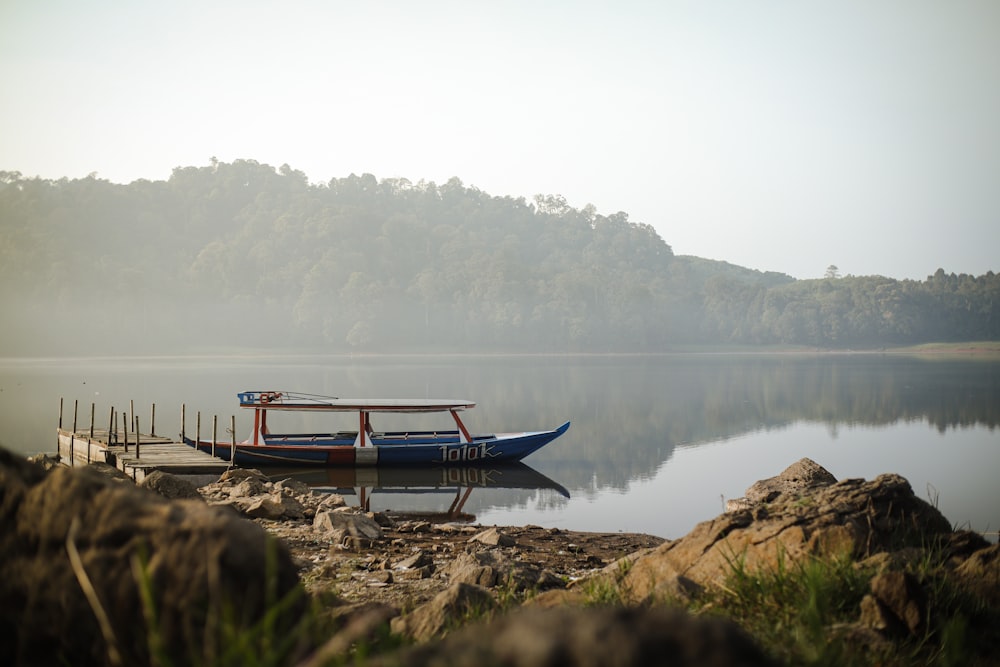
(91, 438)
(131, 413)
(58, 449)
(182, 421)
(197, 430)
(138, 436)
(125, 430)
(111, 424)
(215, 420)
(152, 420)
(72, 438)
(232, 450)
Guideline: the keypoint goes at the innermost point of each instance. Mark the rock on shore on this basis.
(803, 514)
(795, 516)
(189, 554)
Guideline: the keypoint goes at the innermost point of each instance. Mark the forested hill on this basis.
(243, 255)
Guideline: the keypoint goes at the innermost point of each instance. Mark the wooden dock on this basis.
(153, 453)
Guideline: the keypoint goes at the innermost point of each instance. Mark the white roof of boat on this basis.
(281, 400)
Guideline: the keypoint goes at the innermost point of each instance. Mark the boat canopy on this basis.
(285, 400)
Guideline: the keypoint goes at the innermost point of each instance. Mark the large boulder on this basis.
(853, 517)
(201, 565)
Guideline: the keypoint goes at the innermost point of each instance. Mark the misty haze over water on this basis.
(656, 443)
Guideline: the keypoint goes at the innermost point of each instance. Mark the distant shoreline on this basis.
(977, 349)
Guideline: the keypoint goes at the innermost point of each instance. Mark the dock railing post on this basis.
(138, 436)
(91, 432)
(197, 431)
(111, 424)
(58, 449)
(215, 420)
(131, 413)
(125, 430)
(183, 421)
(152, 420)
(72, 438)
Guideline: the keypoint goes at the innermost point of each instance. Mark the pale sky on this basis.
(781, 136)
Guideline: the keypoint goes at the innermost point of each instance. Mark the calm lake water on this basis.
(656, 444)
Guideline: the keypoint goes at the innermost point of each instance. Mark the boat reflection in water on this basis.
(366, 481)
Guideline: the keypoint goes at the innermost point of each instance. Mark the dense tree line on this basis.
(855, 311)
(243, 254)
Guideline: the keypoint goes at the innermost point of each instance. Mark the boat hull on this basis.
(397, 450)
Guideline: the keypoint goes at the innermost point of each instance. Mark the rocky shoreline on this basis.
(403, 560)
(423, 579)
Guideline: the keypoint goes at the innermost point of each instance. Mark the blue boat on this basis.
(364, 446)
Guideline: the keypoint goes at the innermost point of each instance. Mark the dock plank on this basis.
(155, 453)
